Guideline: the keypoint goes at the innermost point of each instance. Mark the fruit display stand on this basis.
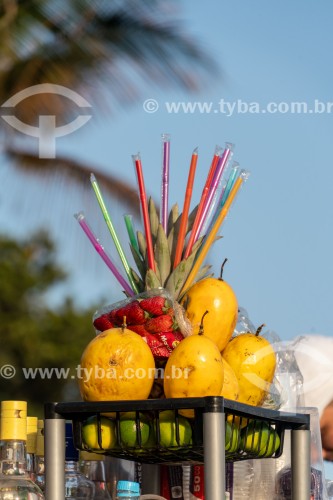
(208, 445)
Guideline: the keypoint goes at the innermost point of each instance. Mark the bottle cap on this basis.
(40, 438)
(126, 487)
(13, 409)
(13, 422)
(71, 452)
(31, 434)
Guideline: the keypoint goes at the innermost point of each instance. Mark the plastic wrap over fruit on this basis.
(288, 376)
(244, 324)
(154, 315)
(273, 398)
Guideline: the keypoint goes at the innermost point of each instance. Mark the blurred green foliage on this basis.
(33, 334)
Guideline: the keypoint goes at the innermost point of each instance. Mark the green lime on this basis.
(150, 444)
(260, 438)
(231, 437)
(168, 429)
(130, 427)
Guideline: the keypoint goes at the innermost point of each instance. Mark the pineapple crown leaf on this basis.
(152, 280)
(138, 261)
(174, 231)
(203, 272)
(138, 281)
(173, 216)
(179, 275)
(162, 255)
(142, 244)
(153, 218)
(165, 276)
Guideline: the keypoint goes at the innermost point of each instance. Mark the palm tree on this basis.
(116, 46)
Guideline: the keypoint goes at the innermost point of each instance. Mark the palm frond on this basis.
(77, 171)
(79, 40)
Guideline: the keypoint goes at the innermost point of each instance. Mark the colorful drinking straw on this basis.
(223, 197)
(128, 218)
(187, 202)
(213, 187)
(212, 235)
(112, 230)
(144, 210)
(100, 250)
(165, 181)
(216, 157)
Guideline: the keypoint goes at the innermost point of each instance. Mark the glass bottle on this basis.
(15, 483)
(128, 490)
(39, 456)
(76, 484)
(93, 467)
(31, 446)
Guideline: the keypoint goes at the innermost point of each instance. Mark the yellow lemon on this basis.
(253, 360)
(108, 437)
(194, 369)
(217, 297)
(230, 389)
(117, 364)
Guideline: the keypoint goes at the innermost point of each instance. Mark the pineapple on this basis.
(164, 246)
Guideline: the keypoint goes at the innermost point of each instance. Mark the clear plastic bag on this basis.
(154, 315)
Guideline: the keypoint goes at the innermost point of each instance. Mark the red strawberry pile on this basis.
(152, 318)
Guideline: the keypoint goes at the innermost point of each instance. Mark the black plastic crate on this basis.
(267, 442)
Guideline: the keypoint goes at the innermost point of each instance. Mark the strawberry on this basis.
(156, 306)
(170, 339)
(152, 341)
(160, 352)
(159, 324)
(103, 323)
(133, 312)
(139, 329)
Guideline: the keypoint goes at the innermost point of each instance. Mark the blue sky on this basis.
(278, 234)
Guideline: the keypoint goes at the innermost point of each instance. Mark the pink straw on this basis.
(100, 250)
(144, 210)
(212, 189)
(165, 181)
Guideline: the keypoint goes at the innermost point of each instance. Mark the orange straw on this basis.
(186, 208)
(204, 195)
(212, 235)
(144, 211)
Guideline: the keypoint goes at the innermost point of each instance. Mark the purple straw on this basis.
(215, 182)
(100, 250)
(165, 181)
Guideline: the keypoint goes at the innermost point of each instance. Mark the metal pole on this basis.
(54, 458)
(214, 455)
(300, 464)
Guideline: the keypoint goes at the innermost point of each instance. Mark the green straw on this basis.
(131, 234)
(113, 233)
